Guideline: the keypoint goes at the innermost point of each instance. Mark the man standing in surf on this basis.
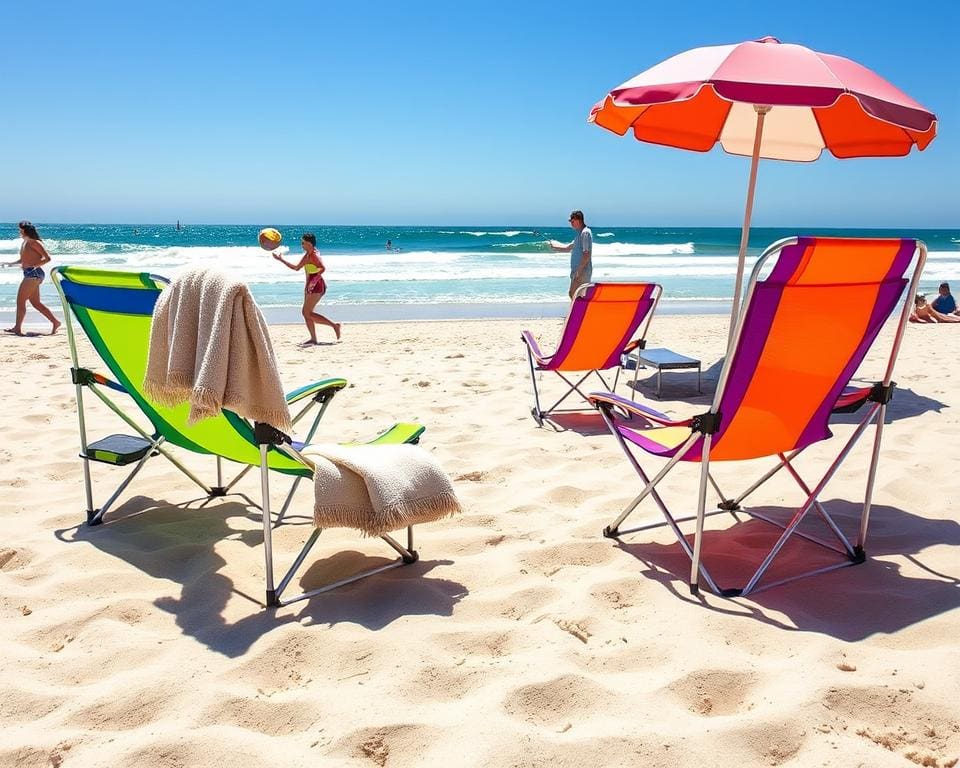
(580, 250)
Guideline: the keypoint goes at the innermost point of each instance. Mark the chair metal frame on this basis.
(268, 437)
(703, 428)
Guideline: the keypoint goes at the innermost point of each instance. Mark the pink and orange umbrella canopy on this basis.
(766, 99)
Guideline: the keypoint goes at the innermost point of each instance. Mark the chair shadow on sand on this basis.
(176, 542)
(849, 603)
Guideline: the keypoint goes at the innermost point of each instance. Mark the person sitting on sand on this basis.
(925, 313)
(945, 304)
(314, 288)
(32, 258)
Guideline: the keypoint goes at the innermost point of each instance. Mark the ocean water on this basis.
(456, 270)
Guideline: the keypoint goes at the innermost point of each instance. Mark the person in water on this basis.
(580, 250)
(315, 286)
(32, 258)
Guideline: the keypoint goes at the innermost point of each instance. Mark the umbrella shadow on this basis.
(850, 604)
(175, 542)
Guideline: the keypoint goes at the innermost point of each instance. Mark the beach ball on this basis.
(270, 238)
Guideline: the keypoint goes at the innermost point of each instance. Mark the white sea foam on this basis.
(624, 249)
(605, 234)
(507, 233)
(641, 249)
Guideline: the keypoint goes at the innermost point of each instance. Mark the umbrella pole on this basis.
(761, 111)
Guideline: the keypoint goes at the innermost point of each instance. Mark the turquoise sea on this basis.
(449, 271)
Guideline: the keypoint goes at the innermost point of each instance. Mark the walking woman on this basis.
(32, 258)
(314, 288)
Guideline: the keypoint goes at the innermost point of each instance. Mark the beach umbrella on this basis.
(766, 99)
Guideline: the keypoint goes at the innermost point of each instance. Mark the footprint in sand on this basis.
(561, 700)
(400, 744)
(896, 719)
(772, 742)
(132, 708)
(711, 692)
(271, 718)
(14, 559)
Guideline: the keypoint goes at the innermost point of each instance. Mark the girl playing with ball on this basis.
(315, 286)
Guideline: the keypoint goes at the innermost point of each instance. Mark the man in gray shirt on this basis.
(580, 250)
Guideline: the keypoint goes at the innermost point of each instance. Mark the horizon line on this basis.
(41, 223)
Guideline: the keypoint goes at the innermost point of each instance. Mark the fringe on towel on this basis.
(391, 518)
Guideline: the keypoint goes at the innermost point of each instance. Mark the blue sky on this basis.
(431, 113)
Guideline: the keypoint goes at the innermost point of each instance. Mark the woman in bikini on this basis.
(32, 258)
(315, 286)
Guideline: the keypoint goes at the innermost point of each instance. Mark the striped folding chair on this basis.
(606, 321)
(114, 309)
(802, 334)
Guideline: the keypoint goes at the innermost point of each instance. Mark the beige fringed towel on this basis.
(209, 345)
(378, 488)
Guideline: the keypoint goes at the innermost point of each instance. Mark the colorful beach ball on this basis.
(270, 238)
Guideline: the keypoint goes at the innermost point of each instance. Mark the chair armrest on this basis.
(317, 389)
(531, 343)
(634, 345)
(631, 408)
(399, 434)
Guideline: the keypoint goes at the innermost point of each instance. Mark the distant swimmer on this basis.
(178, 225)
(389, 245)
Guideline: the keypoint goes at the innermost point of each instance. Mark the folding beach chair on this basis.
(115, 309)
(802, 334)
(601, 327)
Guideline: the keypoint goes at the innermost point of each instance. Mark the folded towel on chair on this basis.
(209, 345)
(378, 488)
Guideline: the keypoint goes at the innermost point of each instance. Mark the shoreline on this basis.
(405, 313)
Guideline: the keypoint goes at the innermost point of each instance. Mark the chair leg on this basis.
(97, 517)
(535, 412)
(408, 556)
(871, 478)
(87, 480)
(267, 525)
(613, 530)
(701, 509)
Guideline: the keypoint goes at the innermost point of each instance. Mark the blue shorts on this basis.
(34, 273)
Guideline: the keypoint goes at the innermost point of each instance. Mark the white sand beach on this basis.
(522, 637)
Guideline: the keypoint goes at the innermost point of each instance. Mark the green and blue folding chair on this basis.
(114, 309)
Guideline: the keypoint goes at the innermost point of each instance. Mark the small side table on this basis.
(663, 360)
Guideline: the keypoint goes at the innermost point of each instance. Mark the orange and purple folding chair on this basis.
(602, 326)
(803, 332)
